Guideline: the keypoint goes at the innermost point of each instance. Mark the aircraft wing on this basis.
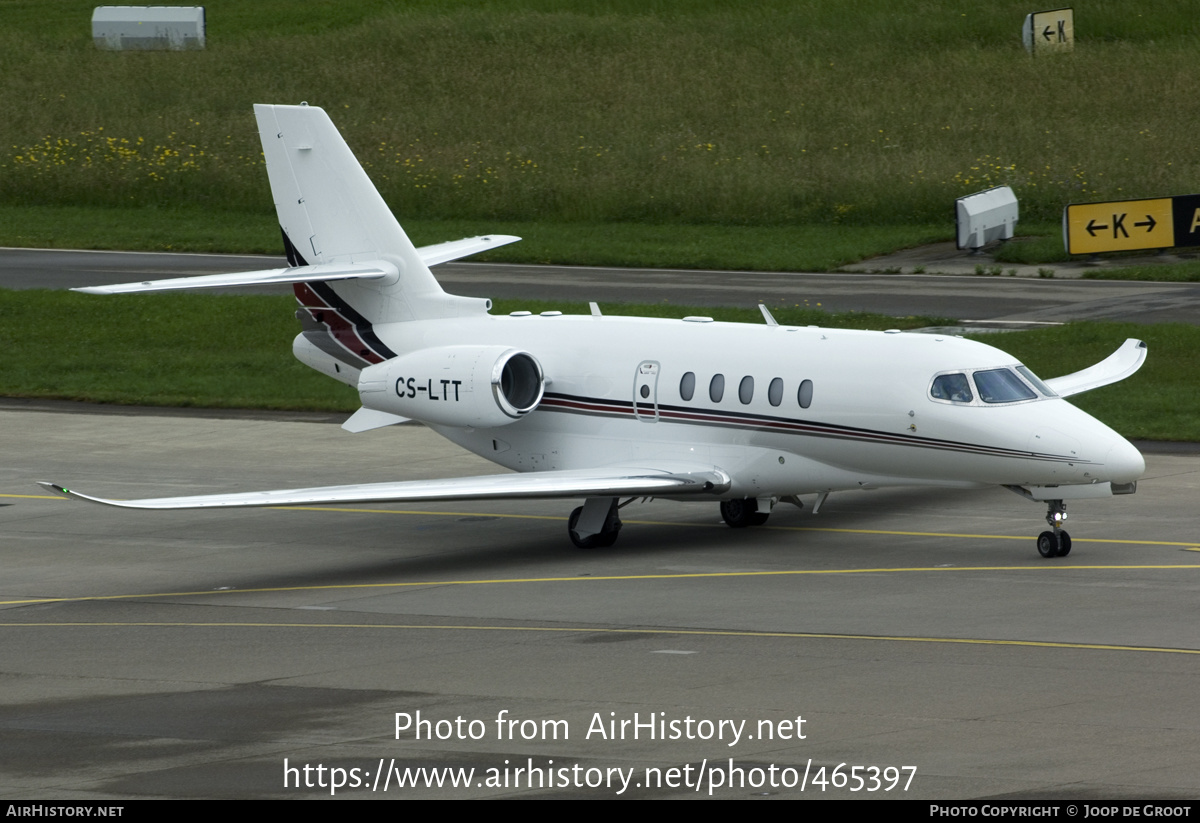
(621, 481)
(1116, 367)
(369, 270)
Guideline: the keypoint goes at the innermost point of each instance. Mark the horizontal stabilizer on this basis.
(1116, 367)
(455, 249)
(293, 274)
(370, 270)
(611, 482)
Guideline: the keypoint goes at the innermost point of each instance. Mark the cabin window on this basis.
(687, 386)
(746, 390)
(953, 387)
(1001, 386)
(775, 391)
(804, 394)
(716, 388)
(1037, 384)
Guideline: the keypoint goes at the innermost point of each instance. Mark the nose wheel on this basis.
(1056, 543)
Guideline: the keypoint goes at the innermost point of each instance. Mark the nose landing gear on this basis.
(1056, 543)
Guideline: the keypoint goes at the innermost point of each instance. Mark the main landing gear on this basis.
(739, 514)
(1056, 543)
(595, 524)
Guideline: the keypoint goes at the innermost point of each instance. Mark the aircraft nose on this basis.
(1124, 462)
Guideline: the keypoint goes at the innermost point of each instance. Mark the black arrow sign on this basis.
(1046, 33)
(1149, 223)
(1092, 227)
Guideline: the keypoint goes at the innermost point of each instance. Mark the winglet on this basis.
(1116, 367)
(65, 492)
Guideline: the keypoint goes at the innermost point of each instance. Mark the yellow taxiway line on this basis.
(967, 641)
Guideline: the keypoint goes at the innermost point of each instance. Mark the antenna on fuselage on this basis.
(766, 313)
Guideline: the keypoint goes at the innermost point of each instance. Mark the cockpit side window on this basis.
(954, 387)
(1001, 386)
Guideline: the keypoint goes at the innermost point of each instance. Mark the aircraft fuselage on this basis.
(784, 410)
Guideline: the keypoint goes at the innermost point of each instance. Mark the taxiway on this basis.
(192, 654)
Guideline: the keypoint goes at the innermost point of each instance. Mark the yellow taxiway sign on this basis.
(1119, 225)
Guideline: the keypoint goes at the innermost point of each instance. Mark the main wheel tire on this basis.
(738, 514)
(606, 538)
(1048, 545)
(1064, 544)
(609, 536)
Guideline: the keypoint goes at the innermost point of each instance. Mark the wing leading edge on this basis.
(625, 481)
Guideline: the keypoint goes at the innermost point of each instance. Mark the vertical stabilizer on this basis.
(330, 212)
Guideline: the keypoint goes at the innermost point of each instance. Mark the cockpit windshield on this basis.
(1001, 386)
(990, 386)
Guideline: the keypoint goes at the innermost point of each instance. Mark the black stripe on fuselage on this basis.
(361, 326)
(594, 406)
(294, 257)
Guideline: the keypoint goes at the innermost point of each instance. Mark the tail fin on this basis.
(352, 266)
(330, 212)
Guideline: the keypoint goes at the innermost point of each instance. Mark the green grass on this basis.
(204, 350)
(757, 248)
(140, 229)
(1039, 243)
(775, 113)
(222, 351)
(785, 134)
(1187, 272)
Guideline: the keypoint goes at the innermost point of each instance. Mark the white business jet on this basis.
(605, 408)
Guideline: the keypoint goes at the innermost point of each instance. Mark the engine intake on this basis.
(518, 383)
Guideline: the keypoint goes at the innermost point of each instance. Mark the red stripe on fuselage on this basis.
(340, 329)
(594, 406)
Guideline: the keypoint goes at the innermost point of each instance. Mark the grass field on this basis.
(222, 351)
(779, 113)
(785, 134)
(760, 248)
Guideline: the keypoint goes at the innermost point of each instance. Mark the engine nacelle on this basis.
(477, 386)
